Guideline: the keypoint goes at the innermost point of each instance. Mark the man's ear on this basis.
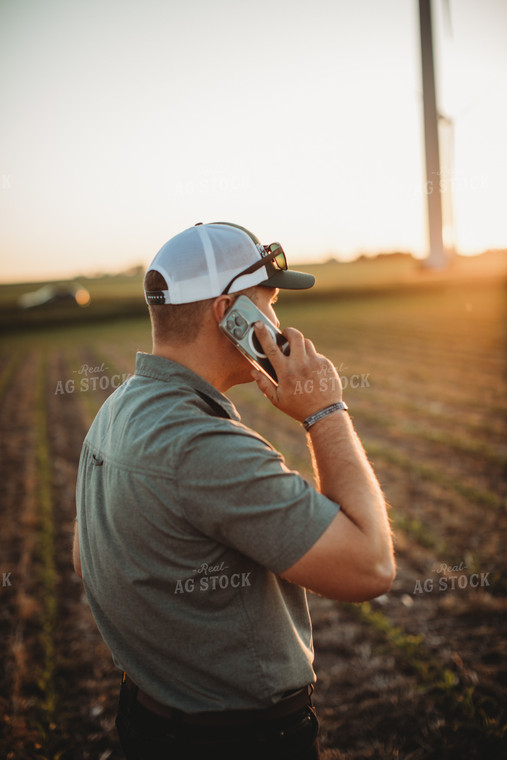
(220, 306)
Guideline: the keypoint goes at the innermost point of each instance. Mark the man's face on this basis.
(265, 299)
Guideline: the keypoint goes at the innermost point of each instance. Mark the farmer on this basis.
(196, 542)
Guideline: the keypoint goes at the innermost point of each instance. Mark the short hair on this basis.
(179, 322)
(174, 322)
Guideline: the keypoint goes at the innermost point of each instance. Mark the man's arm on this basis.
(76, 557)
(353, 559)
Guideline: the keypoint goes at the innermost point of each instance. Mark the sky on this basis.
(125, 122)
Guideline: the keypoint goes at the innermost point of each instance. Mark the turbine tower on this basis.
(436, 258)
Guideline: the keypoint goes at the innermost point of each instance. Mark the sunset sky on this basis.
(125, 122)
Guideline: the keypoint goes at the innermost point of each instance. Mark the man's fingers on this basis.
(296, 342)
(268, 344)
(310, 348)
(266, 386)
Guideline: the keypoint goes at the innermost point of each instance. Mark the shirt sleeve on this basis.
(235, 488)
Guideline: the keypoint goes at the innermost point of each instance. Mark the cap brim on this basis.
(286, 279)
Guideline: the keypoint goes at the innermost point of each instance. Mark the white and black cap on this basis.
(207, 260)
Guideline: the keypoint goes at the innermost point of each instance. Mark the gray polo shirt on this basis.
(186, 518)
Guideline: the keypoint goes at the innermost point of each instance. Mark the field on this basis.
(418, 673)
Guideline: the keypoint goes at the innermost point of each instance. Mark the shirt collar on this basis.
(160, 368)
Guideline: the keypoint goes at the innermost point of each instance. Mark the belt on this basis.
(290, 704)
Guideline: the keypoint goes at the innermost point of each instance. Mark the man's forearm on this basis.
(353, 559)
(345, 476)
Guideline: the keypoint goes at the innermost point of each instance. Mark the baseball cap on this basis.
(207, 260)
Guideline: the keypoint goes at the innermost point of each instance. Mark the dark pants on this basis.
(146, 736)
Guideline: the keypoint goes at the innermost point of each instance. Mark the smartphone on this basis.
(237, 325)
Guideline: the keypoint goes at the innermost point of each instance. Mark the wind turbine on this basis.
(436, 258)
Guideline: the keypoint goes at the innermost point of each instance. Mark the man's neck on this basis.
(201, 359)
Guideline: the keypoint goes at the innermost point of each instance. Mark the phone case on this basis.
(237, 325)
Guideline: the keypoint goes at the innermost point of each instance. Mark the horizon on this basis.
(129, 272)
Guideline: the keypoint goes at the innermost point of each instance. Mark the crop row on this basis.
(118, 361)
(453, 687)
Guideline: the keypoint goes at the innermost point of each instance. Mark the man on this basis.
(196, 542)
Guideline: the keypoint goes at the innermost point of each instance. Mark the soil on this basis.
(419, 673)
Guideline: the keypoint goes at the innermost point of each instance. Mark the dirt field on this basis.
(419, 673)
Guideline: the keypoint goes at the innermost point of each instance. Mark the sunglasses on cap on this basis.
(273, 254)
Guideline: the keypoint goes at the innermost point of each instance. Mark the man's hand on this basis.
(353, 559)
(307, 381)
